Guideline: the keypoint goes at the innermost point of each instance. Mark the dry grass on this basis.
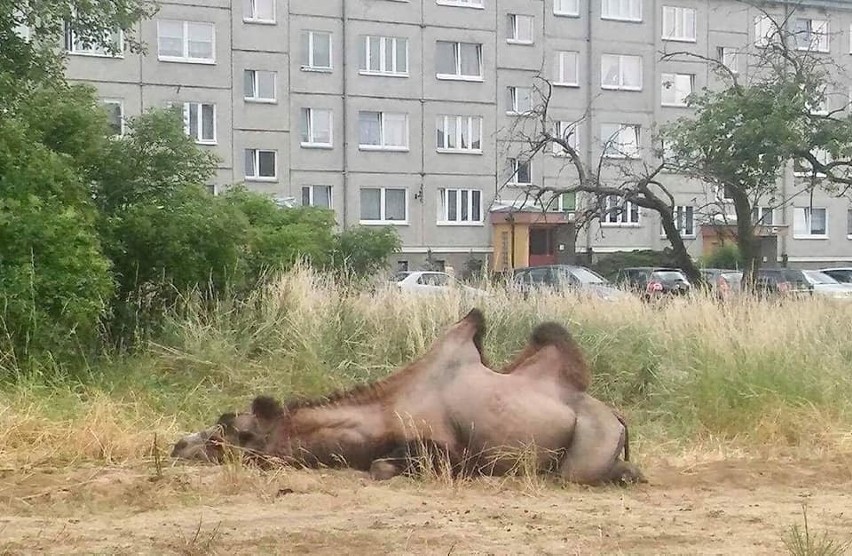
(692, 376)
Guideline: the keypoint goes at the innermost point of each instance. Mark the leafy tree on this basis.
(364, 250)
(54, 279)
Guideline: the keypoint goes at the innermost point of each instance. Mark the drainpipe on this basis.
(345, 209)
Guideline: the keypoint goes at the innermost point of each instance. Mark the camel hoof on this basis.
(383, 470)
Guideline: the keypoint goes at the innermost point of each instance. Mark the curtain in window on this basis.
(370, 128)
(394, 204)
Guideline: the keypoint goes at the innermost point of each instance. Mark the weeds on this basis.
(803, 542)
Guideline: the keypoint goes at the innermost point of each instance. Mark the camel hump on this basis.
(550, 333)
(476, 317)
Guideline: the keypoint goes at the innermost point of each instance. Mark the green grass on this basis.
(753, 375)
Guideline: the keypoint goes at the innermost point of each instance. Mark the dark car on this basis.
(781, 281)
(654, 282)
(566, 277)
(723, 283)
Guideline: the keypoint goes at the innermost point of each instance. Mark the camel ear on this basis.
(266, 408)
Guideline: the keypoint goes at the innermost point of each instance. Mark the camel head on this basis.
(247, 433)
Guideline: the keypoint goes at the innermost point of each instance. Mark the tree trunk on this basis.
(747, 242)
(681, 256)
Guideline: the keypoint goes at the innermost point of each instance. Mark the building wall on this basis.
(145, 81)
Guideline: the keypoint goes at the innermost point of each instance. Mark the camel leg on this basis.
(413, 457)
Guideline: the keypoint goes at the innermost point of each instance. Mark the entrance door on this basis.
(542, 246)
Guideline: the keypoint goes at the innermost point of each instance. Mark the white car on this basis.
(842, 274)
(430, 282)
(825, 285)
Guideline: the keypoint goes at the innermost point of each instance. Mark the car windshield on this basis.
(669, 276)
(817, 277)
(586, 276)
(400, 276)
(733, 277)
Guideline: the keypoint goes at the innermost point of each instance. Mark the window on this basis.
(384, 55)
(521, 171)
(112, 44)
(186, 41)
(383, 205)
(199, 121)
(459, 206)
(520, 100)
(811, 34)
(259, 11)
(678, 24)
(801, 167)
(621, 72)
(566, 7)
(628, 10)
(461, 3)
(316, 50)
(764, 30)
(675, 88)
(459, 133)
(260, 85)
(730, 58)
(810, 222)
(619, 212)
(620, 140)
(382, 130)
(569, 132)
(520, 29)
(316, 196)
(458, 60)
(316, 127)
(849, 223)
(684, 219)
(762, 216)
(567, 202)
(566, 69)
(261, 165)
(115, 116)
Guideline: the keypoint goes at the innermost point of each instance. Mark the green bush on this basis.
(725, 256)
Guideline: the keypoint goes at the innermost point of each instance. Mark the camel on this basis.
(447, 406)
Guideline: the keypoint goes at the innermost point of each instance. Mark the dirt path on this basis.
(717, 508)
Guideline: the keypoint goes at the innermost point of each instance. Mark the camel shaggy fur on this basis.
(447, 406)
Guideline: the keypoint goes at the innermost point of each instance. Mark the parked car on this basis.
(823, 284)
(841, 274)
(561, 277)
(654, 282)
(430, 282)
(723, 283)
(786, 282)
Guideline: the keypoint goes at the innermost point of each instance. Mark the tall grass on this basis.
(751, 375)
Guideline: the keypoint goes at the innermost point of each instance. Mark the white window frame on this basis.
(199, 131)
(559, 77)
(312, 143)
(518, 23)
(476, 4)
(729, 57)
(120, 103)
(514, 98)
(849, 223)
(186, 59)
(256, 87)
(566, 8)
(625, 213)
(472, 123)
(256, 155)
(681, 213)
(561, 128)
(460, 193)
(675, 19)
(609, 10)
(674, 79)
(821, 155)
(458, 75)
(819, 36)
(311, 65)
(383, 132)
(96, 51)
(621, 86)
(617, 140)
(514, 165)
(759, 213)
(310, 190)
(250, 12)
(383, 208)
(807, 220)
(384, 68)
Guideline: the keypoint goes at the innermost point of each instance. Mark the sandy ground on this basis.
(725, 507)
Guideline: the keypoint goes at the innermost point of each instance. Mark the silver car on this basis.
(567, 277)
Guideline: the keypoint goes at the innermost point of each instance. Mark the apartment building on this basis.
(409, 112)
